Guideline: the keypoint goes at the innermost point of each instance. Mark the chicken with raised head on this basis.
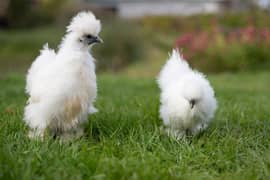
(62, 85)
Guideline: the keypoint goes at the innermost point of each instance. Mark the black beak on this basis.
(94, 39)
(98, 40)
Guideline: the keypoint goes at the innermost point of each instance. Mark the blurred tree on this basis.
(29, 13)
(17, 12)
(52, 8)
(3, 12)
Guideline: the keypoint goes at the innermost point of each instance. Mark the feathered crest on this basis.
(84, 22)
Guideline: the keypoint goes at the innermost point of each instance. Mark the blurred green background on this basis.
(234, 37)
(228, 40)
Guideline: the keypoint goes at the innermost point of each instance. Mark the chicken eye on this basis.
(89, 36)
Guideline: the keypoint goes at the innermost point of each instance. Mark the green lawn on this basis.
(123, 140)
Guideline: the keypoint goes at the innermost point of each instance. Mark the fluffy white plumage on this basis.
(62, 86)
(187, 99)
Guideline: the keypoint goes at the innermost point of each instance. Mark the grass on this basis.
(123, 140)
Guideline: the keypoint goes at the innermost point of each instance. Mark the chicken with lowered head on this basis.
(187, 99)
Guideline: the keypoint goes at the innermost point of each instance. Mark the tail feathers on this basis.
(177, 60)
(46, 56)
(173, 69)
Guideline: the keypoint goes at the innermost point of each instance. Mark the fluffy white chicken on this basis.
(62, 86)
(187, 99)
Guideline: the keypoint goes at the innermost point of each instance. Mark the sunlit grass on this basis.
(123, 140)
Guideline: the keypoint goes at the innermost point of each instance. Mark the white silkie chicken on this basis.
(62, 86)
(187, 99)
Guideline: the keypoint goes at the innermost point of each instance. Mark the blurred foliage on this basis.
(18, 48)
(213, 43)
(122, 46)
(217, 43)
(205, 21)
(18, 13)
(25, 13)
(218, 50)
(124, 43)
(234, 57)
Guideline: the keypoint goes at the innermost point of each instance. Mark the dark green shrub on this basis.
(26, 13)
(205, 22)
(233, 57)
